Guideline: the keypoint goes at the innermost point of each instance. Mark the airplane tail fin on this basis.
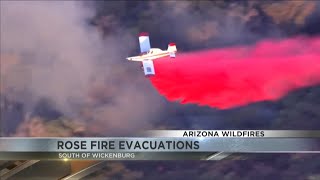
(172, 49)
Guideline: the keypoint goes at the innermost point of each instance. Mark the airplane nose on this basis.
(129, 59)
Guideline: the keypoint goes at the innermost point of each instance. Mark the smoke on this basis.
(50, 53)
(56, 50)
(231, 77)
(52, 59)
(198, 25)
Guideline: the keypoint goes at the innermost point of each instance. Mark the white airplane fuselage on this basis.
(148, 54)
(154, 53)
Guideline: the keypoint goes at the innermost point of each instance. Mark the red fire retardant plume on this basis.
(230, 77)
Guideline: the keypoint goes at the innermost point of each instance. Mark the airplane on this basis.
(149, 54)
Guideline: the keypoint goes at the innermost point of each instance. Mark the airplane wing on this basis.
(148, 68)
(144, 42)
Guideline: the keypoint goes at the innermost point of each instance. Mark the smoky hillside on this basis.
(64, 73)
